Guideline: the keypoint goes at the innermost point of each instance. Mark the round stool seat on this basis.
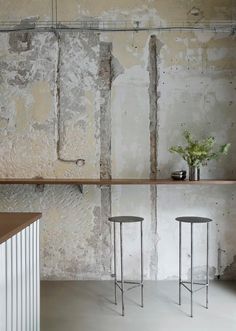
(125, 219)
(193, 219)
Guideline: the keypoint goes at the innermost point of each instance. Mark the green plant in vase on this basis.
(198, 152)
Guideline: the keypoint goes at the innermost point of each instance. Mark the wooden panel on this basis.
(12, 223)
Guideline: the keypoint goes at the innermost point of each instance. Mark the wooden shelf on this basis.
(124, 181)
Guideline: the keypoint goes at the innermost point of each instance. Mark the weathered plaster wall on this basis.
(87, 104)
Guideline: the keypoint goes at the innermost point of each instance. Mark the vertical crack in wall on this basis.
(154, 52)
(105, 80)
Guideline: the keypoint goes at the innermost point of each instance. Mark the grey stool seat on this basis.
(192, 220)
(120, 283)
(125, 219)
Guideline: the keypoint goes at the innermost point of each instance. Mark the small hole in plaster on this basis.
(195, 11)
(80, 162)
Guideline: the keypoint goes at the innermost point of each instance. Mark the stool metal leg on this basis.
(207, 267)
(121, 266)
(180, 261)
(141, 233)
(115, 279)
(191, 270)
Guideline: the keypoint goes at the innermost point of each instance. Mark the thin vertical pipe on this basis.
(115, 277)
(121, 266)
(191, 270)
(207, 267)
(141, 235)
(180, 260)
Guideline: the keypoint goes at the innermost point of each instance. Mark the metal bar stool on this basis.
(193, 220)
(120, 284)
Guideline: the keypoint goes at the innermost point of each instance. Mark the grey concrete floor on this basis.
(88, 306)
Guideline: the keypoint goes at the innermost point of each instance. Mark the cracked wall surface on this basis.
(102, 105)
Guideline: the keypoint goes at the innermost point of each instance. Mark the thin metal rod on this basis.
(191, 270)
(129, 282)
(117, 284)
(196, 290)
(121, 266)
(185, 286)
(195, 283)
(141, 235)
(207, 267)
(132, 287)
(80, 27)
(115, 277)
(180, 260)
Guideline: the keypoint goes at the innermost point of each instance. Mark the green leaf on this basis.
(198, 152)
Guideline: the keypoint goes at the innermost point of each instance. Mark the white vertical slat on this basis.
(23, 280)
(2, 287)
(20, 281)
(26, 280)
(37, 277)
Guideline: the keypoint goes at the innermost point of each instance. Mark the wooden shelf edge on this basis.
(115, 181)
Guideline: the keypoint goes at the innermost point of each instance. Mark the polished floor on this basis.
(88, 306)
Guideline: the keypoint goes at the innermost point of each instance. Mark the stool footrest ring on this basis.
(203, 285)
(135, 284)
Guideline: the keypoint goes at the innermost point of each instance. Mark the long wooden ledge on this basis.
(124, 181)
(13, 223)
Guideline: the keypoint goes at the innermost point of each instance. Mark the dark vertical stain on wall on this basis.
(58, 93)
(105, 80)
(154, 52)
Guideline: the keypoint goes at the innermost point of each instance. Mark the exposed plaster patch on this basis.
(199, 273)
(105, 113)
(105, 81)
(154, 58)
(3, 122)
(116, 68)
(20, 41)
